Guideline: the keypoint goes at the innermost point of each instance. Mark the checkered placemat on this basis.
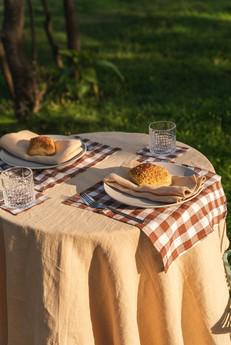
(150, 157)
(48, 178)
(39, 199)
(96, 152)
(172, 230)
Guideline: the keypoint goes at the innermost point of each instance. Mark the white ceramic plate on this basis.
(174, 169)
(16, 161)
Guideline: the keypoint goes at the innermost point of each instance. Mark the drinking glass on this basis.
(18, 187)
(162, 137)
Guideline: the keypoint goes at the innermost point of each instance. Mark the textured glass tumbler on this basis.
(162, 137)
(18, 187)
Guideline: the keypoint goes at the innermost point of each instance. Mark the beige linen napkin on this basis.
(17, 144)
(182, 188)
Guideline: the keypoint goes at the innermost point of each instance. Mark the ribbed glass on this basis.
(18, 187)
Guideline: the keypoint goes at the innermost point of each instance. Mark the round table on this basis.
(74, 277)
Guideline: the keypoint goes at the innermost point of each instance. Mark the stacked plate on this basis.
(174, 169)
(16, 161)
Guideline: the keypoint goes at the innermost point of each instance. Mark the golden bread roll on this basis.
(150, 174)
(41, 146)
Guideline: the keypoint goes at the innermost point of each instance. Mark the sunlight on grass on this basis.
(221, 62)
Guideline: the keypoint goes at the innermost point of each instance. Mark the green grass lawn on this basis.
(176, 60)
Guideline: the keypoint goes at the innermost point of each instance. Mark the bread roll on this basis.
(150, 174)
(41, 146)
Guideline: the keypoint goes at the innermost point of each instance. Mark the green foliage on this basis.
(81, 75)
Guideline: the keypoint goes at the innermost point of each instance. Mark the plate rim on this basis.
(108, 188)
(48, 166)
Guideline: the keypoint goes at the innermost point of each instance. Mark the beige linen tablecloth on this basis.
(74, 277)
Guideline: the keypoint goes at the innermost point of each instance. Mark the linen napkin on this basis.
(17, 144)
(182, 188)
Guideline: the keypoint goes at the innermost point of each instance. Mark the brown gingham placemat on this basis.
(48, 178)
(39, 199)
(146, 155)
(172, 230)
(95, 153)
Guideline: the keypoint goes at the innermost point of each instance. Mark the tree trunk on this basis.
(26, 94)
(72, 28)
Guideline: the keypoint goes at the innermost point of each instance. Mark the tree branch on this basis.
(48, 30)
(33, 34)
(6, 71)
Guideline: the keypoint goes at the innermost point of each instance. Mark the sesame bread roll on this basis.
(150, 174)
